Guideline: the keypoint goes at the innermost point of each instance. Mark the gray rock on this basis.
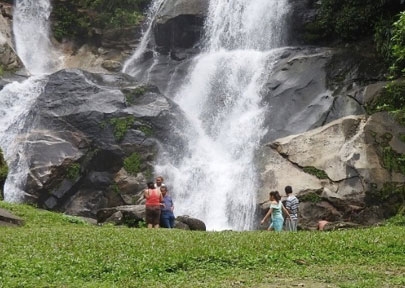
(70, 132)
(9, 219)
(179, 24)
(112, 65)
(192, 223)
(348, 151)
(130, 215)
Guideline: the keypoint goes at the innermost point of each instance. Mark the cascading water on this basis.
(31, 31)
(34, 48)
(216, 179)
(130, 66)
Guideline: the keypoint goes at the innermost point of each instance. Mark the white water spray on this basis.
(16, 100)
(31, 32)
(216, 181)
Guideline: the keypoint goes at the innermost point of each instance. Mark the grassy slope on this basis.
(53, 250)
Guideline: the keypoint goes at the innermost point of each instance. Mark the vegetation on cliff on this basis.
(349, 21)
(3, 173)
(80, 20)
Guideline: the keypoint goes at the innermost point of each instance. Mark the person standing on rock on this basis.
(153, 198)
(276, 212)
(291, 204)
(166, 216)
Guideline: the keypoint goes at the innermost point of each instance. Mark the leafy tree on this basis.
(78, 19)
(398, 46)
(350, 19)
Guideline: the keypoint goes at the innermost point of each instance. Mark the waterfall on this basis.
(130, 66)
(16, 100)
(216, 180)
(31, 32)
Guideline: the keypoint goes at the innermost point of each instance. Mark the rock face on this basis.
(176, 36)
(91, 140)
(309, 87)
(179, 24)
(8, 219)
(8, 57)
(339, 171)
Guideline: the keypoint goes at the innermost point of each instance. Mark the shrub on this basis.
(316, 172)
(121, 126)
(391, 99)
(132, 164)
(397, 47)
(3, 173)
(77, 20)
(73, 171)
(349, 19)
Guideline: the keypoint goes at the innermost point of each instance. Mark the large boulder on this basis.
(179, 24)
(192, 223)
(309, 87)
(86, 137)
(130, 215)
(343, 171)
(9, 219)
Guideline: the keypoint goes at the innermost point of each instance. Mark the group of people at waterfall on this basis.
(159, 208)
(159, 205)
(277, 208)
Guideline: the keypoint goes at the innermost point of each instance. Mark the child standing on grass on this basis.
(276, 212)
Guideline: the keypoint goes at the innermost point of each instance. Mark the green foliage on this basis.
(132, 94)
(311, 197)
(382, 37)
(391, 99)
(3, 173)
(146, 130)
(390, 43)
(73, 171)
(316, 172)
(112, 5)
(58, 253)
(349, 20)
(114, 187)
(77, 20)
(397, 46)
(1, 70)
(39, 219)
(3, 167)
(121, 126)
(69, 23)
(391, 198)
(393, 161)
(74, 219)
(132, 164)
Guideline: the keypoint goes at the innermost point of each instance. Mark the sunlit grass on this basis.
(51, 251)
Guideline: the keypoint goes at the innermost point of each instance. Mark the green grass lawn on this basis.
(54, 250)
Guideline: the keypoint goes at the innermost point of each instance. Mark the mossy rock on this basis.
(3, 173)
(391, 197)
(320, 174)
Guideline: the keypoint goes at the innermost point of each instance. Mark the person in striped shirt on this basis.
(291, 204)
